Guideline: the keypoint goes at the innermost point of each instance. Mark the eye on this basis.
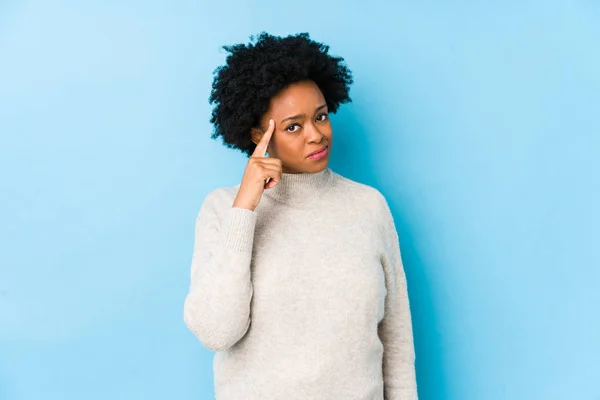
(322, 117)
(290, 128)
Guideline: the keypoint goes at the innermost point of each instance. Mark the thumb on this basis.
(272, 183)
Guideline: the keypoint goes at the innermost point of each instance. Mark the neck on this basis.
(300, 188)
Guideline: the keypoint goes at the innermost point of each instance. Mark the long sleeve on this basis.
(217, 307)
(395, 330)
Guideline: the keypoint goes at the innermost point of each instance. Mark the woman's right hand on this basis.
(261, 173)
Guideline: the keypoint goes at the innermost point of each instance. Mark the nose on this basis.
(313, 134)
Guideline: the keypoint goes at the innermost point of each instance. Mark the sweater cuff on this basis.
(238, 229)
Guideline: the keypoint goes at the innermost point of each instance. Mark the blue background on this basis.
(479, 121)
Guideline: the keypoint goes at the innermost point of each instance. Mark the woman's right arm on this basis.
(217, 307)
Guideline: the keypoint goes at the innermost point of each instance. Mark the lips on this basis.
(318, 151)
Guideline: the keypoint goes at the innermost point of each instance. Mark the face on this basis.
(302, 127)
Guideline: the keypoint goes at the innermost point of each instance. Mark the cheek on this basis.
(278, 143)
(288, 147)
(327, 131)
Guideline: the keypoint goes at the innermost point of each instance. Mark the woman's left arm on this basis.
(395, 330)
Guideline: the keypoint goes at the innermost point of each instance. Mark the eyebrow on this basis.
(297, 116)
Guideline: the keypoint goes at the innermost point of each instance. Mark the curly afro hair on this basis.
(253, 73)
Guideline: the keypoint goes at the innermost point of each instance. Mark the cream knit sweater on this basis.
(305, 297)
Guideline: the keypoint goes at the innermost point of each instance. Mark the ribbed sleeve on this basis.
(238, 229)
(395, 330)
(217, 307)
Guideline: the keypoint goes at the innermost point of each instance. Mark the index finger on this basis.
(261, 147)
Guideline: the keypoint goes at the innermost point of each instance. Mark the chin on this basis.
(318, 167)
(304, 168)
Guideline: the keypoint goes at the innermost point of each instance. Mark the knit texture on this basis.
(305, 297)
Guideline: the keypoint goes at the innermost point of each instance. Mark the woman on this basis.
(297, 281)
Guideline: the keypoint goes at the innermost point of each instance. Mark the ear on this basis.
(256, 134)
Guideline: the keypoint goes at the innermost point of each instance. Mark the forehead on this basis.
(303, 96)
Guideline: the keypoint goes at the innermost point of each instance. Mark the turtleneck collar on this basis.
(300, 188)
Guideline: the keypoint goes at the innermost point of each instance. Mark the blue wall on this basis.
(480, 122)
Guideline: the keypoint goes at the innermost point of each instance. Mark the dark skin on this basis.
(295, 125)
(302, 126)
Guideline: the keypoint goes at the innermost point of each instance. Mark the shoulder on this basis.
(222, 194)
(218, 200)
(371, 202)
(360, 192)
